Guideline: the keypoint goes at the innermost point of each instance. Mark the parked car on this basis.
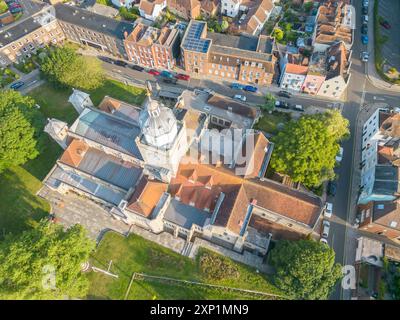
(120, 63)
(282, 104)
(339, 156)
(106, 59)
(154, 72)
(325, 230)
(365, 3)
(166, 74)
(364, 39)
(364, 56)
(237, 86)
(250, 88)
(17, 85)
(364, 28)
(385, 24)
(284, 94)
(181, 76)
(137, 68)
(239, 97)
(209, 91)
(365, 18)
(298, 107)
(364, 10)
(332, 187)
(328, 210)
(170, 80)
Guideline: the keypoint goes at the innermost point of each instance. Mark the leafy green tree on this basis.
(305, 269)
(19, 127)
(306, 149)
(29, 261)
(278, 34)
(66, 68)
(224, 25)
(336, 124)
(269, 104)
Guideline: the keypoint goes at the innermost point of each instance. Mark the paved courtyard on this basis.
(71, 209)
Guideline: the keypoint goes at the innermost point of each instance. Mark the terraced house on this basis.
(335, 22)
(245, 58)
(152, 47)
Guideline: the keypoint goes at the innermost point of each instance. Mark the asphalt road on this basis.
(360, 93)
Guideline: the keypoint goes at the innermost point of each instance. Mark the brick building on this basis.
(245, 58)
(152, 47)
(23, 39)
(91, 29)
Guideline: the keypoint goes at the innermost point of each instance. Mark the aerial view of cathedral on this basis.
(161, 169)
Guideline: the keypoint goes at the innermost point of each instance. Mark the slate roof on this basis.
(93, 21)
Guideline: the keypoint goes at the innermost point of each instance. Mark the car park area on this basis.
(389, 25)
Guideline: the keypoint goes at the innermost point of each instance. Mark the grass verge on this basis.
(135, 254)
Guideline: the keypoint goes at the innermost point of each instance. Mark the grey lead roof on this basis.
(85, 184)
(109, 131)
(110, 169)
(93, 21)
(184, 215)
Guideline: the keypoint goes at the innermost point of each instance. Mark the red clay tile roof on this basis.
(256, 158)
(73, 155)
(239, 192)
(296, 69)
(146, 196)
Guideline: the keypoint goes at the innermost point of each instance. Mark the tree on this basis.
(278, 34)
(66, 68)
(224, 25)
(306, 149)
(305, 269)
(29, 261)
(19, 127)
(269, 104)
(336, 124)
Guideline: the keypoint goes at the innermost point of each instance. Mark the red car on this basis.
(181, 76)
(154, 72)
(385, 24)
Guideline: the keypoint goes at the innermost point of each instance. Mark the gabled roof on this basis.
(239, 193)
(146, 196)
(148, 5)
(387, 213)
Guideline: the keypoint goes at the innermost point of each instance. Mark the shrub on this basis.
(215, 267)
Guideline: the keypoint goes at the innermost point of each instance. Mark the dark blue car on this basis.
(250, 88)
(237, 86)
(17, 85)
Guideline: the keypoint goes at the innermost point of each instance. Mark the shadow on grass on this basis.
(19, 203)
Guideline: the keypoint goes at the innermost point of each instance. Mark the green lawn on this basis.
(118, 91)
(18, 185)
(18, 200)
(135, 254)
(270, 122)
